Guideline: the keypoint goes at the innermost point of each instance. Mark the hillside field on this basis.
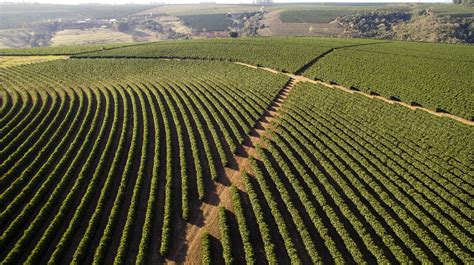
(232, 151)
(326, 14)
(17, 14)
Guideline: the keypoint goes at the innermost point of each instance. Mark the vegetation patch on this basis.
(313, 16)
(63, 50)
(210, 22)
(8, 61)
(90, 36)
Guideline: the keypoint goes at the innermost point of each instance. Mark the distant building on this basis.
(263, 2)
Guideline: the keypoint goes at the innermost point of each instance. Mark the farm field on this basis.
(15, 14)
(313, 16)
(8, 61)
(432, 75)
(95, 36)
(62, 50)
(451, 10)
(208, 22)
(286, 54)
(109, 131)
(275, 27)
(234, 151)
(200, 9)
(326, 14)
(334, 182)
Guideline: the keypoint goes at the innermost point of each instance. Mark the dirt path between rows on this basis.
(189, 250)
(299, 78)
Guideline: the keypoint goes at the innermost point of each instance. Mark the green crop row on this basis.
(225, 236)
(64, 50)
(267, 238)
(243, 227)
(206, 249)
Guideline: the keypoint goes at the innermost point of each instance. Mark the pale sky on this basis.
(198, 1)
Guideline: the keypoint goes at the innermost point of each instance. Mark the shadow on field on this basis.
(216, 248)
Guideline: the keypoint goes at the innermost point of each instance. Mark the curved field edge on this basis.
(150, 104)
(284, 54)
(9, 61)
(63, 50)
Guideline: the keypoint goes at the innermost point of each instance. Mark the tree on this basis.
(233, 34)
(122, 26)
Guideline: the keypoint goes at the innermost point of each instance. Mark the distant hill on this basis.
(33, 25)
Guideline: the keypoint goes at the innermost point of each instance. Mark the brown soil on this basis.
(189, 250)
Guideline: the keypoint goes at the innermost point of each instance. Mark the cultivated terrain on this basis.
(252, 150)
